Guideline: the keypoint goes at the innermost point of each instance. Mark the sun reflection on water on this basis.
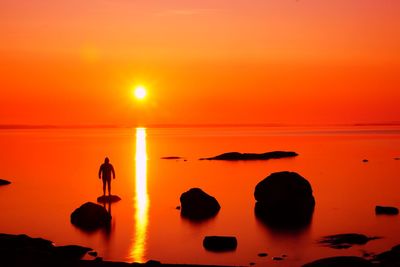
(141, 199)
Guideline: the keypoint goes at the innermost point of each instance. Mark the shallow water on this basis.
(55, 171)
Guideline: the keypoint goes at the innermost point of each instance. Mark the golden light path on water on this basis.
(141, 199)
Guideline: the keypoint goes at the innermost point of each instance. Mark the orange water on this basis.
(55, 171)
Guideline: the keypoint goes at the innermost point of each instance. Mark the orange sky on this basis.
(282, 61)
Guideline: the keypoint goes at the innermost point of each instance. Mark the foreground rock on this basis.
(284, 199)
(343, 241)
(220, 243)
(386, 210)
(198, 205)
(107, 199)
(22, 250)
(389, 258)
(90, 216)
(4, 182)
(253, 156)
(341, 261)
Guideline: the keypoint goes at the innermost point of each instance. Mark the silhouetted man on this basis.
(105, 173)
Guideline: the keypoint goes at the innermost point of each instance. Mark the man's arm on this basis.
(113, 172)
(101, 168)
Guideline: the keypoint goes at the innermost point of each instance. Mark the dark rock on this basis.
(284, 199)
(172, 157)
(22, 250)
(389, 258)
(4, 182)
(253, 156)
(178, 207)
(343, 241)
(341, 261)
(90, 216)
(277, 258)
(152, 263)
(198, 205)
(396, 158)
(107, 199)
(220, 243)
(365, 160)
(386, 210)
(71, 252)
(262, 254)
(252, 263)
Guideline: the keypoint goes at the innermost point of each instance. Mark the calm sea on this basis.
(55, 171)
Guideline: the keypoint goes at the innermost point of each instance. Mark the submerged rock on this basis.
(220, 243)
(253, 156)
(343, 241)
(90, 216)
(284, 199)
(4, 182)
(341, 261)
(386, 210)
(196, 204)
(172, 157)
(107, 199)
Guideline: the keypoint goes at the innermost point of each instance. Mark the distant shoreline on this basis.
(261, 125)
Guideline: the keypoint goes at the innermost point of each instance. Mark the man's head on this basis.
(106, 160)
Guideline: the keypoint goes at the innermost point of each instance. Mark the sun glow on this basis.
(140, 92)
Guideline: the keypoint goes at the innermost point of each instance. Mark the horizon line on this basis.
(185, 125)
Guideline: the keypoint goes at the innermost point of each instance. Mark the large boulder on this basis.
(90, 216)
(284, 198)
(220, 243)
(198, 205)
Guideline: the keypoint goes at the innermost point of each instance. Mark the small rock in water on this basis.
(284, 256)
(386, 210)
(106, 199)
(252, 263)
(220, 243)
(262, 254)
(396, 158)
(4, 182)
(365, 160)
(277, 259)
(178, 207)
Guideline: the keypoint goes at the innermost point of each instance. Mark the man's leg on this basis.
(104, 187)
(109, 187)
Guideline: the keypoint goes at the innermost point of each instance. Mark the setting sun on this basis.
(140, 92)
